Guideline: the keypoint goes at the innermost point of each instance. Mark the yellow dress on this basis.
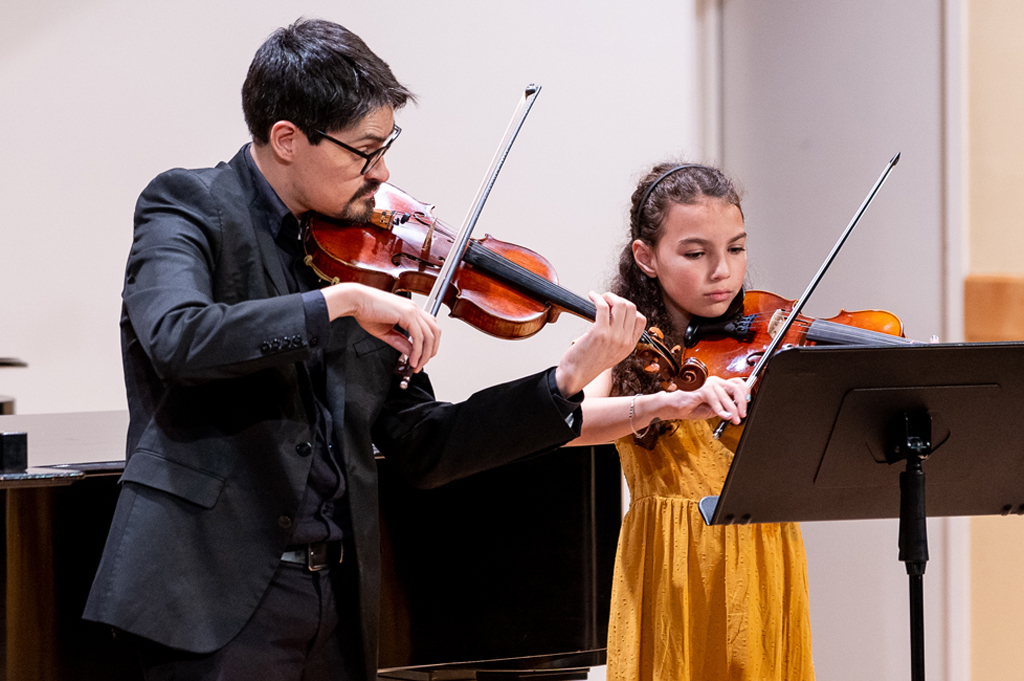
(696, 602)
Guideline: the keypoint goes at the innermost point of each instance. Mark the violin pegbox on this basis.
(667, 363)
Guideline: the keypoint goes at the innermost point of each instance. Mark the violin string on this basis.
(849, 335)
(439, 227)
(556, 293)
(516, 274)
(799, 323)
(495, 263)
(840, 334)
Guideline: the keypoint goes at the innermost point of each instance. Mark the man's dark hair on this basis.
(319, 76)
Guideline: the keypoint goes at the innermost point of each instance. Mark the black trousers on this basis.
(304, 629)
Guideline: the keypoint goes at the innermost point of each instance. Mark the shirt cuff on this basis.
(568, 407)
(318, 322)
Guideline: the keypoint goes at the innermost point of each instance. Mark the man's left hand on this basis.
(614, 334)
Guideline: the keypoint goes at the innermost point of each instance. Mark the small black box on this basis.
(13, 452)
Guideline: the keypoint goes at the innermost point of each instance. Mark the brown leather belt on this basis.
(315, 556)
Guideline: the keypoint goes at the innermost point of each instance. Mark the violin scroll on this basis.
(674, 372)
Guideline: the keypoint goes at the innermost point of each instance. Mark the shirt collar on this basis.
(278, 211)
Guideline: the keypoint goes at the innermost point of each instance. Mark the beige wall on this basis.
(995, 85)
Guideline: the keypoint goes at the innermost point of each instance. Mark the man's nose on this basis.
(379, 171)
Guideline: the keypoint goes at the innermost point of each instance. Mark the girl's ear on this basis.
(644, 257)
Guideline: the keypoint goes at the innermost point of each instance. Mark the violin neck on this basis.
(543, 290)
(549, 292)
(832, 333)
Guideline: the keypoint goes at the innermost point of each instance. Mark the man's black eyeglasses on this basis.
(371, 158)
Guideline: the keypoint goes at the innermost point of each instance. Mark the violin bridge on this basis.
(428, 240)
(776, 322)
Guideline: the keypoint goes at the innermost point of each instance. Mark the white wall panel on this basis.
(101, 95)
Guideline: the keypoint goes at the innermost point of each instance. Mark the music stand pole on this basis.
(914, 446)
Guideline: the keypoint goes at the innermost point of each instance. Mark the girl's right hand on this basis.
(725, 398)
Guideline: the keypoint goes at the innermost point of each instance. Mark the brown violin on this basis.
(500, 288)
(732, 345)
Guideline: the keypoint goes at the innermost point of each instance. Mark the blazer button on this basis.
(285, 522)
(304, 448)
(314, 341)
(264, 347)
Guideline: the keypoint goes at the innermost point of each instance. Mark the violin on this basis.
(731, 346)
(500, 288)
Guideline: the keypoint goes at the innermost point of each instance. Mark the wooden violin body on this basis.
(500, 288)
(732, 347)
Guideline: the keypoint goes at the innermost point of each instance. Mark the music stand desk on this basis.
(826, 432)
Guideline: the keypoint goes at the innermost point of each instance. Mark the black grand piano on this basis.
(505, 575)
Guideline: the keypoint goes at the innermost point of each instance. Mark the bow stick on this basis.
(447, 273)
(752, 378)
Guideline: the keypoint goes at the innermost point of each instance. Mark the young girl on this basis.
(690, 601)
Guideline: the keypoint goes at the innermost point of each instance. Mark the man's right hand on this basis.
(379, 312)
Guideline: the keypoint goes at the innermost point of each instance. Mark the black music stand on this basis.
(845, 433)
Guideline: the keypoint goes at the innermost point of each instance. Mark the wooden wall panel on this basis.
(993, 308)
(994, 311)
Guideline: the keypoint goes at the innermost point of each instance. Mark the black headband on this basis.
(650, 188)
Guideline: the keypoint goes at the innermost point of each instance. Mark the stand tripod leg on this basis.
(917, 627)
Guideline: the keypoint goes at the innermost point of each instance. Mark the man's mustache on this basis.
(367, 190)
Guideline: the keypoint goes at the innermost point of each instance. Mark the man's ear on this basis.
(644, 257)
(284, 136)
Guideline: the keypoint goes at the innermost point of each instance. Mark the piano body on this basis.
(505, 575)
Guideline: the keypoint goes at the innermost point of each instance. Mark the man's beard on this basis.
(360, 207)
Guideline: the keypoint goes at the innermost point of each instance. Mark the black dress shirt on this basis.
(324, 512)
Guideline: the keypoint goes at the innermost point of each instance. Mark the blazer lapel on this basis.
(260, 214)
(271, 260)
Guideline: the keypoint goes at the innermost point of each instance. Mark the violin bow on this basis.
(447, 273)
(799, 305)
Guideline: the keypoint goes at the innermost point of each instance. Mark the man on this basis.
(245, 542)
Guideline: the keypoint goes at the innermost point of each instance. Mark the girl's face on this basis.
(700, 259)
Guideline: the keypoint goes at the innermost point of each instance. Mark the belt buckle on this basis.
(317, 555)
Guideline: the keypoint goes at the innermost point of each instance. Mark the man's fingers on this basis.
(639, 326)
(622, 316)
(400, 323)
(602, 314)
(424, 336)
(398, 341)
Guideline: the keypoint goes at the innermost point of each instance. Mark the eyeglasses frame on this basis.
(373, 157)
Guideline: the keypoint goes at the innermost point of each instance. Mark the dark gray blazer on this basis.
(216, 462)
